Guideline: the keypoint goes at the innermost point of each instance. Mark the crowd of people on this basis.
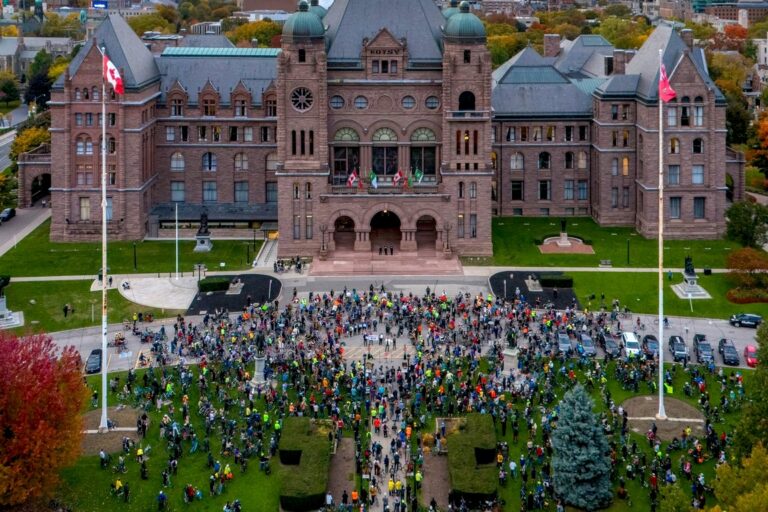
(449, 363)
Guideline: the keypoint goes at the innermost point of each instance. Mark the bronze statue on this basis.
(689, 266)
(4, 281)
(203, 223)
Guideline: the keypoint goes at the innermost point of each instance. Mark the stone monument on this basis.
(563, 241)
(8, 318)
(203, 237)
(259, 362)
(690, 287)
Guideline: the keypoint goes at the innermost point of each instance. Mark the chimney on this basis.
(687, 35)
(619, 61)
(551, 45)
(628, 55)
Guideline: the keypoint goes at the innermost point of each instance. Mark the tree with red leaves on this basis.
(42, 396)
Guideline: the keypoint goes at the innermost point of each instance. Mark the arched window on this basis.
(308, 190)
(544, 160)
(385, 152)
(77, 94)
(85, 93)
(466, 101)
(111, 145)
(177, 162)
(346, 154)
(95, 93)
(209, 161)
(271, 163)
(674, 145)
(625, 166)
(84, 145)
(424, 153)
(517, 162)
(241, 162)
(582, 160)
(569, 160)
(698, 146)
(346, 135)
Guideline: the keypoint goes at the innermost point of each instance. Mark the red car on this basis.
(750, 356)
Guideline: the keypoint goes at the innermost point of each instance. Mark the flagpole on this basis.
(104, 423)
(662, 415)
(177, 241)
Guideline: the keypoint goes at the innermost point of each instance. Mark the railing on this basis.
(469, 115)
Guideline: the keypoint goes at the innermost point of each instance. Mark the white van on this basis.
(631, 344)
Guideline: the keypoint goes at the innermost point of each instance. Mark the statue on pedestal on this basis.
(203, 223)
(689, 266)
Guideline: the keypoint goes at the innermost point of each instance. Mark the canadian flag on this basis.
(352, 179)
(113, 76)
(398, 177)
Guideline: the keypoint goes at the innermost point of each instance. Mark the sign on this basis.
(100, 4)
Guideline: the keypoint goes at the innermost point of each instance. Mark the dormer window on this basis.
(270, 107)
(209, 107)
(241, 110)
(177, 107)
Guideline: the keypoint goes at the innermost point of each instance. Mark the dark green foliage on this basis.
(748, 223)
(556, 280)
(753, 427)
(214, 284)
(305, 447)
(581, 466)
(471, 459)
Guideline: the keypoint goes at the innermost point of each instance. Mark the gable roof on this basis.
(125, 50)
(350, 21)
(206, 41)
(576, 54)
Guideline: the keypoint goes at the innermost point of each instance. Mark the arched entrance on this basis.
(344, 233)
(385, 231)
(426, 233)
(41, 188)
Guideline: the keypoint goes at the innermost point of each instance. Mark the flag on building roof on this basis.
(666, 92)
(112, 75)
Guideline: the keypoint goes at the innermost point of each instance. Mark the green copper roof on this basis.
(453, 9)
(303, 23)
(465, 25)
(317, 9)
(188, 51)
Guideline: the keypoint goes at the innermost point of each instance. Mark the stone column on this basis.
(408, 240)
(362, 239)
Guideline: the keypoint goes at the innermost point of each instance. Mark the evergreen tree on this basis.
(581, 465)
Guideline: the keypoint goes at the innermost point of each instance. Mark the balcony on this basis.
(469, 115)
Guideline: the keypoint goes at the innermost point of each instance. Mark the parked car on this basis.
(678, 349)
(702, 349)
(586, 346)
(611, 346)
(631, 344)
(93, 363)
(729, 352)
(563, 343)
(650, 346)
(750, 355)
(746, 320)
(7, 214)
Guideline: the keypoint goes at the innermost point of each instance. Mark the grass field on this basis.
(639, 292)
(36, 255)
(513, 245)
(46, 313)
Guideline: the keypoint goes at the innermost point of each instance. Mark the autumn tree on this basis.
(672, 498)
(502, 48)
(263, 31)
(743, 487)
(41, 399)
(62, 26)
(154, 22)
(624, 33)
(9, 87)
(28, 140)
(752, 428)
(748, 223)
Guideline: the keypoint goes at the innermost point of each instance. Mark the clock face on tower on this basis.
(301, 99)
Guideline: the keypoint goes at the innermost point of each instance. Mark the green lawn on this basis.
(11, 105)
(513, 245)
(36, 255)
(639, 292)
(46, 314)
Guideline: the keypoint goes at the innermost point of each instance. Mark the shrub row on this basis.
(556, 280)
(214, 284)
(471, 459)
(305, 456)
(747, 295)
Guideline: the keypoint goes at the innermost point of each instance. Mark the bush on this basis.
(556, 280)
(305, 447)
(747, 295)
(214, 284)
(472, 459)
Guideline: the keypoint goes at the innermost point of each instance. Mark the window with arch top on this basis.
(424, 152)
(544, 160)
(177, 162)
(346, 135)
(466, 101)
(384, 135)
(385, 161)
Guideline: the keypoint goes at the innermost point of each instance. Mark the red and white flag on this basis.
(352, 179)
(666, 92)
(398, 177)
(112, 75)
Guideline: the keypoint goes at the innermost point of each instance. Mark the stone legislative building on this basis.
(382, 125)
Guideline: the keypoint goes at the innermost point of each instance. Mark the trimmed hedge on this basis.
(556, 280)
(472, 459)
(305, 459)
(214, 284)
